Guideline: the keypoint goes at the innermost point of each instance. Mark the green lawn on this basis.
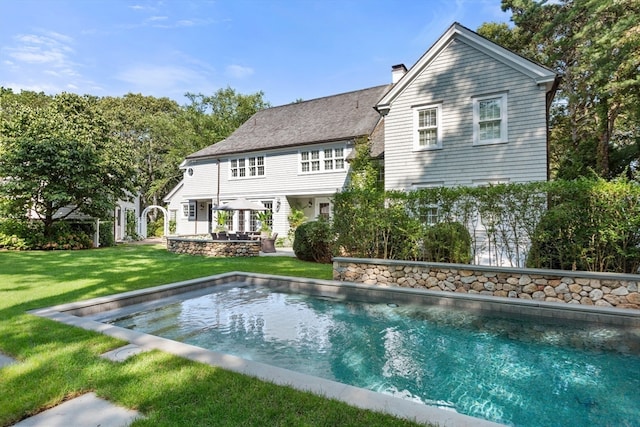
(58, 362)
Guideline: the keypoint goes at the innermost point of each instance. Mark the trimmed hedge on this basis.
(586, 224)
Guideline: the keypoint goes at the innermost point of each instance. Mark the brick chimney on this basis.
(397, 71)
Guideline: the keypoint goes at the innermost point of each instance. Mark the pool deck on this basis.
(351, 395)
(91, 314)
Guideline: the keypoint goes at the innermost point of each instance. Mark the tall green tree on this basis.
(59, 152)
(224, 112)
(595, 46)
(138, 122)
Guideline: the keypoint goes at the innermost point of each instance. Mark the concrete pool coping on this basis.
(86, 314)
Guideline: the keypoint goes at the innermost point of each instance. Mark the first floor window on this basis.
(256, 224)
(189, 210)
(430, 215)
(324, 210)
(490, 119)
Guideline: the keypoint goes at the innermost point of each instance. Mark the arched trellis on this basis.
(142, 221)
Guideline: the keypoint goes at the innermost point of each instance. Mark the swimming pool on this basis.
(415, 346)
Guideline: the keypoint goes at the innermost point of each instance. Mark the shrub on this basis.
(23, 234)
(131, 227)
(448, 242)
(592, 225)
(14, 234)
(295, 218)
(106, 237)
(314, 241)
(358, 222)
(156, 228)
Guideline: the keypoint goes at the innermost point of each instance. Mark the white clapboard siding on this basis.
(203, 182)
(282, 176)
(459, 73)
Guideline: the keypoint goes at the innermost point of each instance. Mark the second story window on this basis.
(490, 119)
(248, 167)
(325, 160)
(427, 128)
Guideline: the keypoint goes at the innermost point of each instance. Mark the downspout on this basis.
(218, 193)
(550, 95)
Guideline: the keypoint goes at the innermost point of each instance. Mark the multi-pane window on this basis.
(324, 210)
(328, 159)
(256, 166)
(430, 215)
(247, 167)
(427, 127)
(255, 223)
(189, 210)
(490, 119)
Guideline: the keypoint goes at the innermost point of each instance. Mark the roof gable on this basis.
(332, 118)
(540, 74)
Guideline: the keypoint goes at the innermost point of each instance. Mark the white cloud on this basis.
(238, 71)
(42, 61)
(186, 23)
(52, 49)
(164, 80)
(34, 87)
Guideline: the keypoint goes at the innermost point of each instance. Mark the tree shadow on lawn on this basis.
(60, 277)
(59, 361)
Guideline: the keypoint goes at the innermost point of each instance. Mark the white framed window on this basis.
(268, 204)
(322, 160)
(430, 214)
(189, 210)
(246, 167)
(323, 207)
(490, 119)
(427, 127)
(324, 210)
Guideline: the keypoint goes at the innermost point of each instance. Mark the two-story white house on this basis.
(469, 112)
(292, 155)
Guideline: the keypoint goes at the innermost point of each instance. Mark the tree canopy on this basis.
(86, 152)
(59, 152)
(595, 46)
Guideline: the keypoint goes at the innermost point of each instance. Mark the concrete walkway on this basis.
(6, 361)
(87, 410)
(280, 252)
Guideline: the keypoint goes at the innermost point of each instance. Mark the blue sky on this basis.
(289, 49)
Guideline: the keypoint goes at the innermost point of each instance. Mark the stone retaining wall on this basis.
(213, 248)
(572, 287)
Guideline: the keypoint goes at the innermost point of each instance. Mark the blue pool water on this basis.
(508, 371)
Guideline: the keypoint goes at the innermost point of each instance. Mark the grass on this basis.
(59, 362)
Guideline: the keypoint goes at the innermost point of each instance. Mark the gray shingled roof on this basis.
(332, 118)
